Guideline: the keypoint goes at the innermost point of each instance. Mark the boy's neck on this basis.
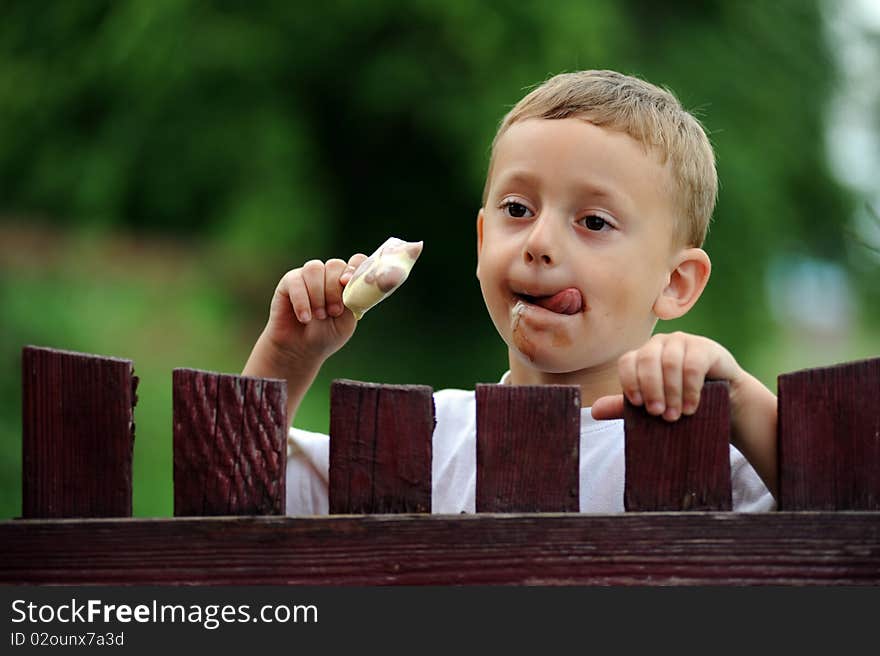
(594, 382)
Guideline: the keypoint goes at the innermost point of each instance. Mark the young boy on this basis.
(598, 197)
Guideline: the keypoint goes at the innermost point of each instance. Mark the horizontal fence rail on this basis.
(534, 549)
(229, 444)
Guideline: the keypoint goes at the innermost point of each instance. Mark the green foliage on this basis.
(270, 132)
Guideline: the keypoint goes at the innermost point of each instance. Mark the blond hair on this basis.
(650, 115)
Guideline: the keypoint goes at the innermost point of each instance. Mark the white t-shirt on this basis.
(454, 464)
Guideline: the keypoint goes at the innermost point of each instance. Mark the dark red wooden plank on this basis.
(230, 444)
(829, 437)
(564, 549)
(380, 447)
(77, 434)
(681, 465)
(528, 448)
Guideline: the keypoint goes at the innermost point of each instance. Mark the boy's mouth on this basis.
(567, 301)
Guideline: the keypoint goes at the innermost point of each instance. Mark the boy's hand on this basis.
(666, 375)
(307, 320)
(307, 324)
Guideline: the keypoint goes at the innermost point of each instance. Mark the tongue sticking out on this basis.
(568, 301)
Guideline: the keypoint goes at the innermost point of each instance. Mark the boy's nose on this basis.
(541, 258)
(540, 248)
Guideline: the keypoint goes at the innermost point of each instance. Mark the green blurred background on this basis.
(164, 162)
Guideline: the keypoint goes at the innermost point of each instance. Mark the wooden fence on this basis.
(229, 443)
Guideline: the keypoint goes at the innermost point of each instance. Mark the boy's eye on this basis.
(594, 222)
(516, 210)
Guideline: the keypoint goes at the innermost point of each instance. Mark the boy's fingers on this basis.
(629, 379)
(671, 363)
(313, 276)
(650, 376)
(356, 260)
(299, 296)
(332, 287)
(608, 407)
(353, 263)
(693, 376)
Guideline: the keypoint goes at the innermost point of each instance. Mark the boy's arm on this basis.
(753, 417)
(667, 375)
(266, 361)
(307, 324)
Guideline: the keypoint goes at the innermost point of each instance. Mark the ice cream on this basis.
(380, 275)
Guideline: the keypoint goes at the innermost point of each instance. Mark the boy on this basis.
(598, 197)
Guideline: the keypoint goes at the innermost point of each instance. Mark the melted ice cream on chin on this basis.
(380, 275)
(529, 330)
(520, 339)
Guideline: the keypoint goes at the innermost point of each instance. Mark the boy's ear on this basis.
(686, 283)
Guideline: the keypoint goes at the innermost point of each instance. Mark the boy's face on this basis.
(574, 243)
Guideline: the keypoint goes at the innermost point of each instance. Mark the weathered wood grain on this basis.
(829, 437)
(528, 448)
(380, 448)
(77, 434)
(230, 444)
(682, 465)
(564, 549)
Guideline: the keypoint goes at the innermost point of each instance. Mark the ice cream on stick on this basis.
(380, 275)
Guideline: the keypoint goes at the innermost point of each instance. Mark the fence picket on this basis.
(230, 444)
(380, 448)
(77, 434)
(528, 448)
(829, 437)
(682, 465)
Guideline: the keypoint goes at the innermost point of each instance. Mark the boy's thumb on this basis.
(608, 407)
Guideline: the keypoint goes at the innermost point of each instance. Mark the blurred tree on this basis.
(759, 75)
(279, 132)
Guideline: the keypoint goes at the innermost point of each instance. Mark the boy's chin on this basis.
(550, 361)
